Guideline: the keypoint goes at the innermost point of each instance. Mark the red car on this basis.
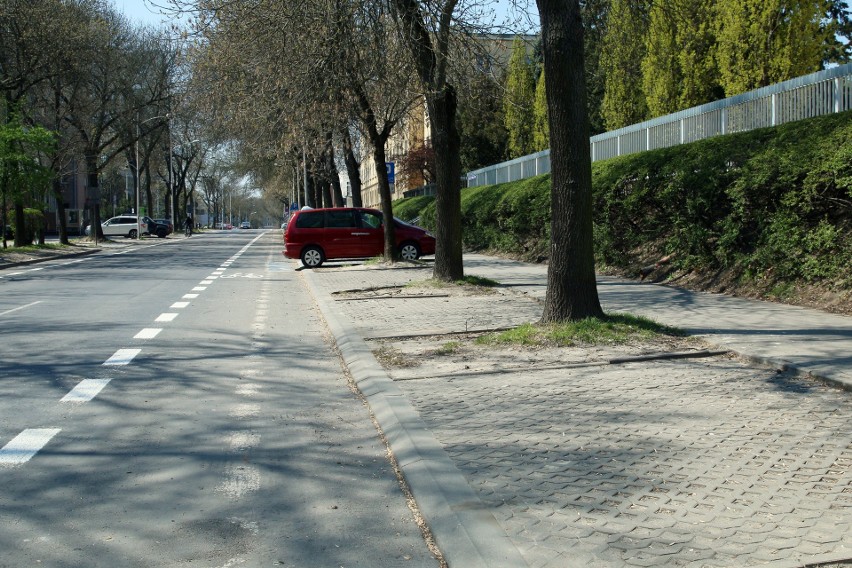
(317, 235)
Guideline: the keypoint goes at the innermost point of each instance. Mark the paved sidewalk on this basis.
(710, 462)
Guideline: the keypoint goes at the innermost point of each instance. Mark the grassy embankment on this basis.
(765, 214)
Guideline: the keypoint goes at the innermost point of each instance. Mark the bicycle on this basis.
(187, 230)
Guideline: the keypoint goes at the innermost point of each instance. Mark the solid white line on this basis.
(148, 333)
(36, 269)
(122, 357)
(20, 308)
(166, 317)
(179, 305)
(26, 444)
(86, 390)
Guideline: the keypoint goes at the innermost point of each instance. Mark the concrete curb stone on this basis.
(466, 532)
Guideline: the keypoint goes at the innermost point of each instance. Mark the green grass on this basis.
(612, 329)
(448, 348)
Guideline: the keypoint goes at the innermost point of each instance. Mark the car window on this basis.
(310, 220)
(371, 220)
(340, 219)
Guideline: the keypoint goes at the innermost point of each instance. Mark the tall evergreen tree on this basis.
(623, 49)
(541, 129)
(594, 29)
(679, 71)
(761, 42)
(518, 101)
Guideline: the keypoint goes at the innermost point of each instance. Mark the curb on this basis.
(466, 533)
(4, 265)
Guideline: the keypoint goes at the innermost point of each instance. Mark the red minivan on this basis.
(317, 235)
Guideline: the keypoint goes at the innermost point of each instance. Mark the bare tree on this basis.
(425, 29)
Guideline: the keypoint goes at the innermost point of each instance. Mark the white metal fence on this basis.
(824, 92)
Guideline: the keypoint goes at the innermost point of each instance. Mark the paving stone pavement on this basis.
(710, 462)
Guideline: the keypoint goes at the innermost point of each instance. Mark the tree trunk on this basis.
(571, 287)
(93, 191)
(379, 159)
(446, 142)
(60, 209)
(352, 169)
(22, 232)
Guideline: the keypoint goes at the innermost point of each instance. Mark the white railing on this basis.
(824, 92)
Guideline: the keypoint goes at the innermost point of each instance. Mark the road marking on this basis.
(20, 308)
(26, 444)
(166, 317)
(206, 282)
(36, 269)
(179, 305)
(199, 288)
(190, 296)
(122, 357)
(240, 479)
(148, 333)
(212, 277)
(86, 390)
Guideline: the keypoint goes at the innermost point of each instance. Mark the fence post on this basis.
(837, 95)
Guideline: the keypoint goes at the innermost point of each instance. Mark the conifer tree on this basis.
(518, 101)
(541, 130)
(761, 42)
(623, 49)
(679, 71)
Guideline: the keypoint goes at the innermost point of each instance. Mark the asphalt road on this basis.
(175, 403)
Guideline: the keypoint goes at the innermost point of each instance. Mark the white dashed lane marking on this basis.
(148, 333)
(166, 317)
(122, 357)
(26, 444)
(86, 390)
(179, 305)
(19, 308)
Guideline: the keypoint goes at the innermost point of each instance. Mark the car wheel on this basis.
(409, 251)
(132, 234)
(162, 233)
(312, 257)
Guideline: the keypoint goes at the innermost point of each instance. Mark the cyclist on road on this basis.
(188, 230)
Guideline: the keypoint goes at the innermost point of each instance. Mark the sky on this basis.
(141, 12)
(144, 11)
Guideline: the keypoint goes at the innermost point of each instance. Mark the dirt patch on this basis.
(24, 255)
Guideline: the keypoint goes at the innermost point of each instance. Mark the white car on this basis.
(124, 226)
(245, 225)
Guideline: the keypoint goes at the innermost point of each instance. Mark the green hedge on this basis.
(775, 203)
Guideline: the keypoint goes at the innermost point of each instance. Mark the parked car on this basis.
(245, 225)
(124, 226)
(317, 235)
(167, 223)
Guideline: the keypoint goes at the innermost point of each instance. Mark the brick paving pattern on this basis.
(666, 463)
